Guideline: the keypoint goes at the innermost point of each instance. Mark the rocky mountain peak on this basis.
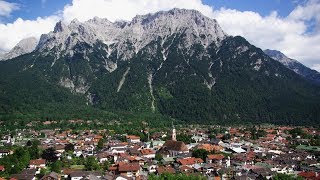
(142, 30)
(24, 46)
(60, 27)
(279, 56)
(294, 65)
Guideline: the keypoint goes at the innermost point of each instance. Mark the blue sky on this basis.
(264, 7)
(31, 9)
(294, 29)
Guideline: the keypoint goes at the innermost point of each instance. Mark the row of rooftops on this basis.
(272, 149)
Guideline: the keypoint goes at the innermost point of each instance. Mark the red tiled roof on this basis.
(190, 161)
(307, 174)
(123, 154)
(251, 154)
(147, 151)
(271, 135)
(215, 156)
(168, 169)
(98, 137)
(185, 168)
(37, 162)
(233, 130)
(129, 167)
(2, 168)
(209, 147)
(133, 137)
(131, 158)
(112, 168)
(219, 136)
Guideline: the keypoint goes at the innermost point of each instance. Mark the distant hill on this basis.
(23, 47)
(296, 66)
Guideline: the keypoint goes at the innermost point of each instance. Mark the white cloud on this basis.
(6, 8)
(291, 34)
(261, 31)
(316, 67)
(307, 11)
(126, 9)
(12, 33)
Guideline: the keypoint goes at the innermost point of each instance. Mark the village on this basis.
(212, 152)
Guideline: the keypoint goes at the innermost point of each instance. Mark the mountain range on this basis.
(176, 63)
(296, 66)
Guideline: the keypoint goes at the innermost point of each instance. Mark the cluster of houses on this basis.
(238, 157)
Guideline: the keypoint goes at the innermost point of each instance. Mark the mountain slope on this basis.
(178, 63)
(296, 66)
(23, 47)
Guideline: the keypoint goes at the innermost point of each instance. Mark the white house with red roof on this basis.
(133, 139)
(148, 153)
(37, 163)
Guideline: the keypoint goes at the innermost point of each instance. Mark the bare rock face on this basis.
(23, 47)
(138, 33)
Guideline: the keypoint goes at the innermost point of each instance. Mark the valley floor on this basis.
(184, 152)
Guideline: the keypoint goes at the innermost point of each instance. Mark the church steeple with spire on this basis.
(174, 134)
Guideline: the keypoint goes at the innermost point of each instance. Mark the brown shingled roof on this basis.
(307, 174)
(190, 161)
(167, 169)
(37, 162)
(129, 167)
(147, 151)
(175, 145)
(215, 156)
(133, 137)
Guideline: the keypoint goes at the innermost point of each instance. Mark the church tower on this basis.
(174, 134)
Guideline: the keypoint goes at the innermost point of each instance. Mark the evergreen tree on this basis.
(91, 164)
(49, 155)
(200, 153)
(100, 143)
(56, 166)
